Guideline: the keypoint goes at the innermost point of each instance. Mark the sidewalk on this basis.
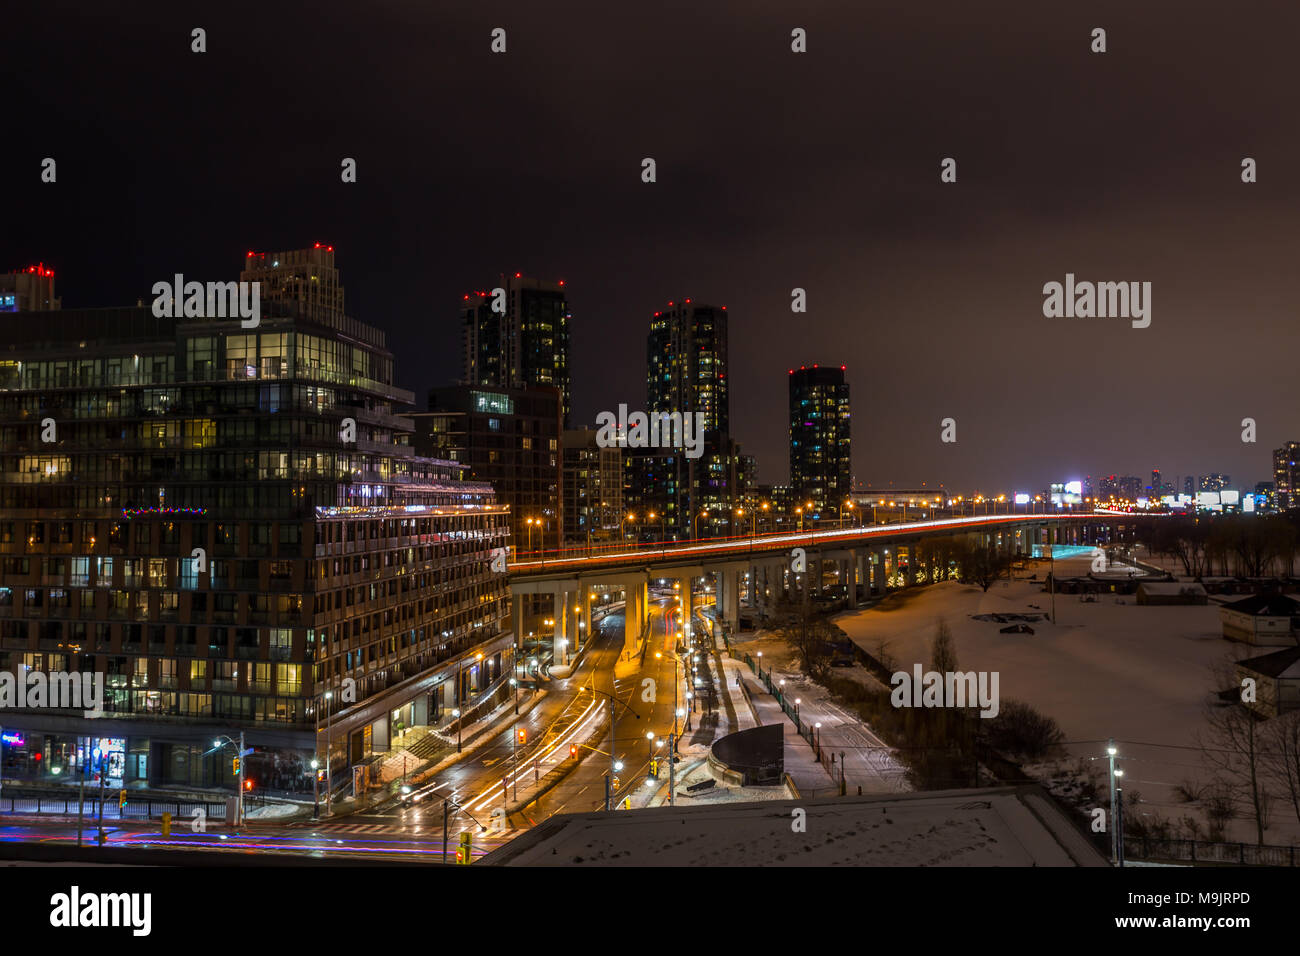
(744, 706)
(809, 776)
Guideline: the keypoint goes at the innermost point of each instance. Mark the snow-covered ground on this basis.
(872, 766)
(273, 811)
(1138, 673)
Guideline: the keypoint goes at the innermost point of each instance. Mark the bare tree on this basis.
(983, 564)
(1283, 761)
(809, 635)
(1233, 744)
(943, 656)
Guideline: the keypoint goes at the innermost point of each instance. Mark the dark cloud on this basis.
(775, 171)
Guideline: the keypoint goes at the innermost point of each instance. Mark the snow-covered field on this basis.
(1140, 674)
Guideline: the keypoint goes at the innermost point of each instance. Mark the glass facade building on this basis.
(227, 524)
(821, 466)
(524, 346)
(686, 371)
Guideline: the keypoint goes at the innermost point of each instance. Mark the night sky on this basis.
(775, 170)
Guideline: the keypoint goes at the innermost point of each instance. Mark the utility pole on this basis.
(1051, 553)
(1114, 816)
(239, 813)
(81, 801)
(672, 751)
(444, 831)
(329, 776)
(315, 771)
(1119, 829)
(102, 761)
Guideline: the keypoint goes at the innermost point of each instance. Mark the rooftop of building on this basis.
(1283, 663)
(1272, 604)
(1005, 826)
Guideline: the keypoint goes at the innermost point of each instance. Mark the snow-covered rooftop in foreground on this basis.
(1005, 826)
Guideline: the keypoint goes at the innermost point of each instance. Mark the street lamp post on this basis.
(220, 743)
(329, 779)
(455, 712)
(672, 747)
(615, 765)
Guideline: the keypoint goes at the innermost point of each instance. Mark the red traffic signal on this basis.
(573, 750)
(523, 735)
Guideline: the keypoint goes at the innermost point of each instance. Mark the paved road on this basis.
(584, 789)
(355, 837)
(412, 827)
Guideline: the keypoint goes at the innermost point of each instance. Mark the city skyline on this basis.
(731, 436)
(1254, 472)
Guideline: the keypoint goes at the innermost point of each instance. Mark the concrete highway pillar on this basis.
(517, 617)
(634, 612)
(773, 584)
(731, 598)
(585, 594)
(778, 581)
(683, 590)
(559, 632)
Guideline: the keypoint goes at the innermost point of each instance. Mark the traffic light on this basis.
(236, 766)
(522, 736)
(463, 852)
(573, 750)
(654, 768)
(121, 800)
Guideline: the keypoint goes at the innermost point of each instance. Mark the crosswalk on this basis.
(364, 829)
(347, 828)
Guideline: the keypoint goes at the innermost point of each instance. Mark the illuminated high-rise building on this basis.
(686, 372)
(521, 343)
(28, 290)
(821, 466)
(229, 524)
(1286, 476)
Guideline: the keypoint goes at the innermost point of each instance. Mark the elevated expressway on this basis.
(773, 564)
